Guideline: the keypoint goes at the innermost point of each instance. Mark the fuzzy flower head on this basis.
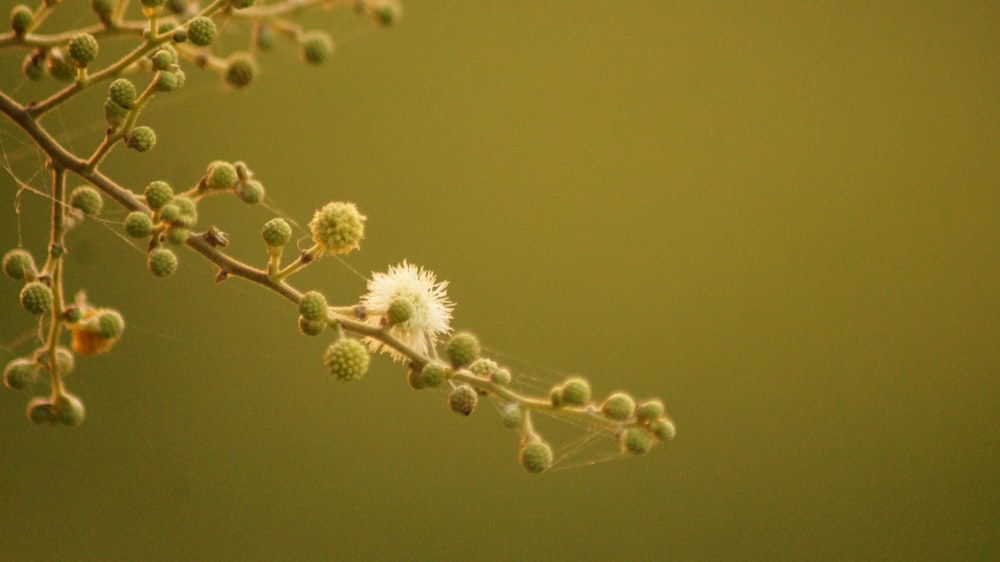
(338, 228)
(430, 314)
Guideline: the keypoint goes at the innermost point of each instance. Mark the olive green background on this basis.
(780, 217)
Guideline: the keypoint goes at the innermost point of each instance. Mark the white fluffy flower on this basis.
(431, 308)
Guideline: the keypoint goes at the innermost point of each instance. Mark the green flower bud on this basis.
(346, 359)
(415, 379)
(68, 409)
(501, 377)
(241, 68)
(619, 407)
(576, 391)
(18, 265)
(400, 310)
(138, 224)
(462, 349)
(114, 114)
(177, 235)
(220, 175)
(40, 410)
(21, 18)
(170, 213)
(87, 199)
(512, 416)
(170, 80)
(110, 324)
(250, 191)
(140, 139)
(264, 37)
(650, 410)
(536, 456)
(463, 400)
(19, 374)
(32, 66)
(483, 367)
(201, 31)
(162, 262)
(276, 232)
(157, 194)
(242, 170)
(311, 327)
(72, 314)
(163, 58)
(312, 306)
(188, 211)
(556, 397)
(338, 228)
(636, 440)
(317, 46)
(59, 67)
(36, 298)
(103, 8)
(383, 12)
(83, 49)
(434, 373)
(122, 92)
(180, 35)
(663, 429)
(65, 361)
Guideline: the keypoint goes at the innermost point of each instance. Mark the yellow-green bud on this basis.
(201, 31)
(462, 349)
(140, 139)
(650, 410)
(317, 46)
(83, 49)
(312, 306)
(311, 327)
(36, 298)
(220, 175)
(338, 228)
(19, 374)
(346, 359)
(241, 68)
(512, 416)
(86, 199)
(122, 92)
(68, 409)
(536, 456)
(400, 310)
(19, 266)
(21, 18)
(434, 373)
(162, 262)
(576, 391)
(483, 367)
(619, 407)
(463, 400)
(636, 440)
(276, 232)
(138, 224)
(250, 191)
(158, 193)
(663, 429)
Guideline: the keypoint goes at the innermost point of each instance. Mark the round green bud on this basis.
(163, 58)
(512, 416)
(40, 410)
(501, 377)
(170, 80)
(346, 359)
(463, 400)
(241, 4)
(188, 211)
(122, 92)
(68, 409)
(576, 391)
(636, 440)
(19, 266)
(663, 429)
(138, 224)
(114, 114)
(415, 380)
(177, 235)
(317, 46)
(556, 397)
(140, 139)
(32, 67)
(180, 35)
(434, 374)
(21, 18)
(312, 306)
(103, 8)
(161, 262)
(241, 68)
(462, 349)
(201, 31)
(338, 228)
(83, 49)
(619, 407)
(87, 199)
(59, 67)
(483, 367)
(36, 298)
(250, 191)
(72, 314)
(170, 213)
(110, 324)
(157, 194)
(311, 327)
(536, 456)
(384, 12)
(264, 37)
(276, 232)
(400, 310)
(65, 361)
(650, 410)
(242, 170)
(19, 374)
(220, 175)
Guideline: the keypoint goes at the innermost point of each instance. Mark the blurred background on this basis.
(781, 218)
